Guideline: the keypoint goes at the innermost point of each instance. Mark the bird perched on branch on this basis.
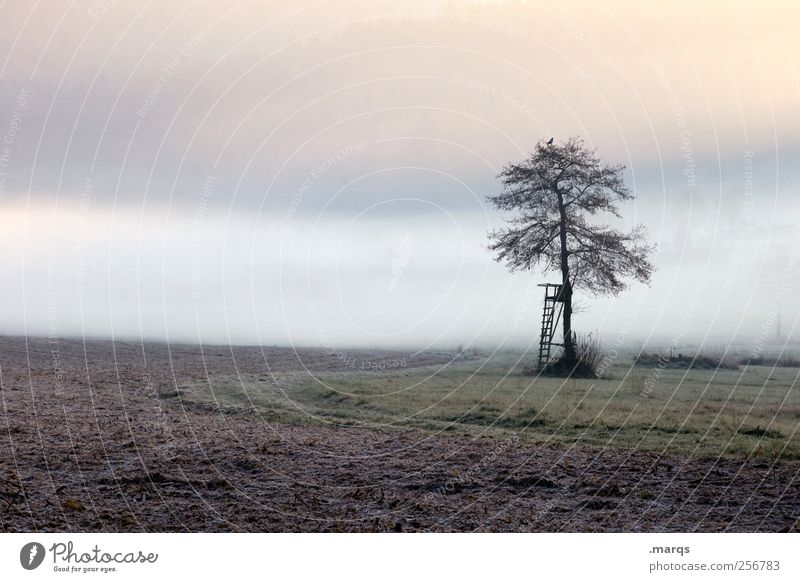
(550, 142)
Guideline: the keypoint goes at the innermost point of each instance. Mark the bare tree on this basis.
(553, 195)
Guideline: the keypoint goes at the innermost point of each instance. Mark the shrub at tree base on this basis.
(561, 368)
(587, 352)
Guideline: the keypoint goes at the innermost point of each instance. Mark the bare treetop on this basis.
(565, 185)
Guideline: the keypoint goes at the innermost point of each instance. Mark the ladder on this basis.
(550, 318)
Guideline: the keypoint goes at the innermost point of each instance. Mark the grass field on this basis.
(162, 448)
(750, 412)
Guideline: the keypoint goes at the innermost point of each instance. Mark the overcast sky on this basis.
(315, 173)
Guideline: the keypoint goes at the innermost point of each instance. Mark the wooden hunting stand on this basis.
(550, 318)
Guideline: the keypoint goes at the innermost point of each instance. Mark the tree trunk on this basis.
(569, 345)
(566, 287)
